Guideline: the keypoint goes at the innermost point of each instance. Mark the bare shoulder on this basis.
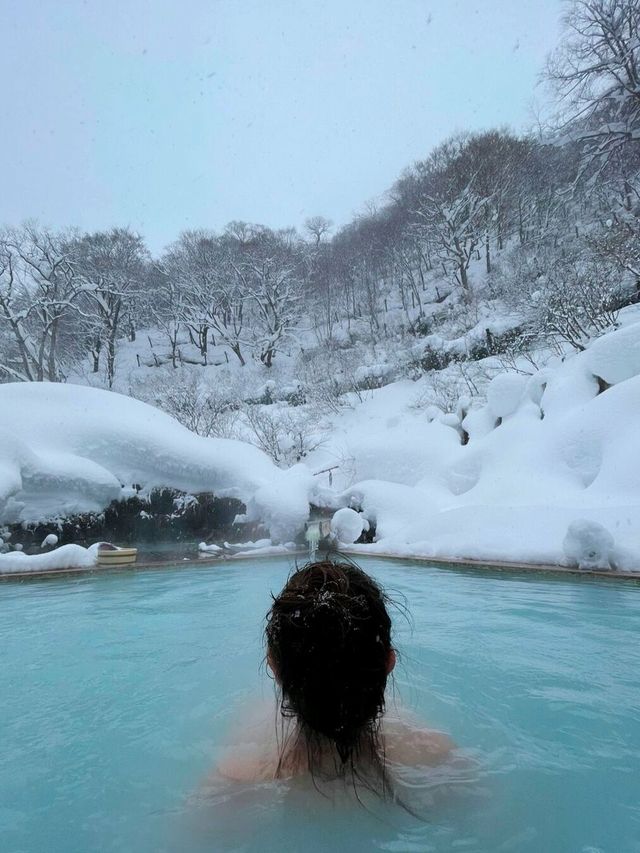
(409, 743)
(251, 754)
(248, 764)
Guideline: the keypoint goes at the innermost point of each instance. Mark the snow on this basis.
(281, 503)
(65, 557)
(589, 545)
(616, 356)
(505, 393)
(210, 549)
(545, 470)
(261, 547)
(49, 541)
(562, 452)
(269, 550)
(67, 449)
(347, 525)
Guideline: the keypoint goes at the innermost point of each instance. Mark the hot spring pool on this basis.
(116, 692)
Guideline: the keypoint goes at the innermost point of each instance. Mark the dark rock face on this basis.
(167, 515)
(367, 536)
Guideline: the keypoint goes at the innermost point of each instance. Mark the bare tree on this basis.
(272, 269)
(317, 227)
(204, 268)
(596, 72)
(111, 266)
(453, 225)
(38, 292)
(167, 308)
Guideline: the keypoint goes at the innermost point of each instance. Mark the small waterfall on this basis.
(313, 537)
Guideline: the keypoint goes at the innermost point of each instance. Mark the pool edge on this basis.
(441, 562)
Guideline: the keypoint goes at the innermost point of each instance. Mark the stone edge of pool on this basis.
(448, 562)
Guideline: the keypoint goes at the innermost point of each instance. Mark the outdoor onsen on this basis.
(120, 692)
(319, 426)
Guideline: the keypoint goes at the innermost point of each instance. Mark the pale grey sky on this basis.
(171, 114)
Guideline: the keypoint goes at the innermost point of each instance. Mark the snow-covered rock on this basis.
(505, 393)
(616, 356)
(589, 545)
(65, 557)
(66, 449)
(49, 541)
(347, 525)
(563, 452)
(210, 549)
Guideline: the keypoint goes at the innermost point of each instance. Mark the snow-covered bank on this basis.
(547, 470)
(543, 453)
(67, 449)
(65, 557)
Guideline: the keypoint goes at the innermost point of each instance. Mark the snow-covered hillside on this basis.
(506, 479)
(543, 452)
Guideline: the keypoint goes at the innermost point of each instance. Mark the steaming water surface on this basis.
(117, 693)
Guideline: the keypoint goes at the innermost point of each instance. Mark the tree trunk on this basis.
(95, 355)
(236, 349)
(111, 359)
(204, 344)
(464, 281)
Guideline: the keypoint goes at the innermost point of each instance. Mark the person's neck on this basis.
(314, 753)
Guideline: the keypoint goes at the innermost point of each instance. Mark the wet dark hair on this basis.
(328, 639)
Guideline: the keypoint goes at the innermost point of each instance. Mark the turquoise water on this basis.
(117, 691)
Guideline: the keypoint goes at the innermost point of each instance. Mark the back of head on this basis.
(329, 644)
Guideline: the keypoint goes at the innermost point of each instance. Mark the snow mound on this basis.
(505, 393)
(66, 449)
(616, 356)
(347, 525)
(588, 545)
(210, 549)
(543, 451)
(65, 557)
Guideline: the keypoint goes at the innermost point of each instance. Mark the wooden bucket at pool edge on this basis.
(117, 557)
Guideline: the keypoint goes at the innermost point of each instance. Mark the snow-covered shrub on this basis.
(439, 392)
(286, 436)
(435, 358)
(329, 374)
(619, 241)
(565, 292)
(294, 395)
(204, 409)
(421, 326)
(496, 343)
(373, 376)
